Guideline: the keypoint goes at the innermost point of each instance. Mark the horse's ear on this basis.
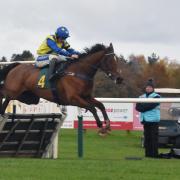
(111, 46)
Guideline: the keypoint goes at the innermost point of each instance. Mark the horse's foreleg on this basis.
(78, 101)
(102, 131)
(3, 106)
(103, 110)
(94, 112)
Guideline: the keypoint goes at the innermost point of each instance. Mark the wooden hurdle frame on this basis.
(15, 125)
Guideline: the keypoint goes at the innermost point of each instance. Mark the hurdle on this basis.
(30, 135)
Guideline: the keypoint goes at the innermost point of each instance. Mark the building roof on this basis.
(167, 90)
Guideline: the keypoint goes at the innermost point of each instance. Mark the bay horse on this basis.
(74, 88)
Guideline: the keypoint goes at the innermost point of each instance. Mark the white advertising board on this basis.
(120, 114)
(116, 112)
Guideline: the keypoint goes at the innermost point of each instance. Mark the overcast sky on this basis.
(134, 26)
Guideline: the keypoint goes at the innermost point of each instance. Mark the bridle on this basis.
(109, 74)
(95, 67)
(110, 54)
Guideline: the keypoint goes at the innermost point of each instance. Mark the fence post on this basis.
(80, 133)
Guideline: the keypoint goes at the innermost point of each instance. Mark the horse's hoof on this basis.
(102, 132)
(108, 130)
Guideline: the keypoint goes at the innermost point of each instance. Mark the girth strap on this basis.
(54, 91)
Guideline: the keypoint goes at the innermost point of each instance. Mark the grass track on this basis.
(104, 159)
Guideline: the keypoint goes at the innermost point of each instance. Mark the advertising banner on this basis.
(120, 115)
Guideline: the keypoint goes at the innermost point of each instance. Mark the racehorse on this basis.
(74, 88)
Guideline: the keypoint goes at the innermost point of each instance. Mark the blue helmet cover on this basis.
(62, 32)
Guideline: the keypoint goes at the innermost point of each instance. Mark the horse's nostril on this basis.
(119, 80)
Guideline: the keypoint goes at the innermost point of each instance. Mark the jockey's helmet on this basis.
(62, 32)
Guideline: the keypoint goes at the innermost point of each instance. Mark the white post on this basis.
(55, 147)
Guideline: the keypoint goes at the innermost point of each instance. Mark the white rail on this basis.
(137, 100)
(22, 62)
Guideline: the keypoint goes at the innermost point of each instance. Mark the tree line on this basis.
(135, 72)
(24, 56)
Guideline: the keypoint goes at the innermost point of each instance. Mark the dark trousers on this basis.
(151, 139)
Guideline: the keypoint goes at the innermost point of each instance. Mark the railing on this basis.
(138, 100)
(22, 62)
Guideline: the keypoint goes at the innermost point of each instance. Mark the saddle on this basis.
(44, 74)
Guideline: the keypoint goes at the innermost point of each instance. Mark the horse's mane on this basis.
(95, 48)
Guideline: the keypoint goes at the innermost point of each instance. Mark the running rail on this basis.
(22, 62)
(139, 100)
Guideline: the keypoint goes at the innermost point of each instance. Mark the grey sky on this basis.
(134, 26)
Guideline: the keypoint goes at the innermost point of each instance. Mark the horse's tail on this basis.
(5, 70)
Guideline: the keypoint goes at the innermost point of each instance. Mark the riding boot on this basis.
(62, 67)
(52, 65)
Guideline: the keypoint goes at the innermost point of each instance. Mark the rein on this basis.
(86, 77)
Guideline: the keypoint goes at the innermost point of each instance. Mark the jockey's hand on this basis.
(74, 56)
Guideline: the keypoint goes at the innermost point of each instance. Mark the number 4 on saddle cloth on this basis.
(43, 81)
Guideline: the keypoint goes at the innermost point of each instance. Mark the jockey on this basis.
(54, 49)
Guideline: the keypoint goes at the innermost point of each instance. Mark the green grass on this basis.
(104, 159)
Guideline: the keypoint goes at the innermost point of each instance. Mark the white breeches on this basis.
(44, 60)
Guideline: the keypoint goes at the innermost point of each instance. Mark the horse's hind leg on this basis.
(3, 109)
(63, 110)
(4, 106)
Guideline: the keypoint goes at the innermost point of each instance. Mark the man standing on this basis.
(150, 117)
